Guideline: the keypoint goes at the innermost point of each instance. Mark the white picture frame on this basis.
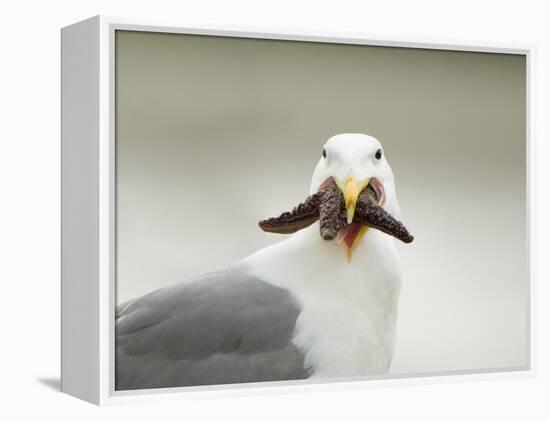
(88, 207)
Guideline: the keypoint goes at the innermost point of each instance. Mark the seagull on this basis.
(309, 307)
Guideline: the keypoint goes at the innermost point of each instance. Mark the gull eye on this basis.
(378, 154)
(324, 153)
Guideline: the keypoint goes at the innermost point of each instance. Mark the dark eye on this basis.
(378, 154)
(324, 153)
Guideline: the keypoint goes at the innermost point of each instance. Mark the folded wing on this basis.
(223, 327)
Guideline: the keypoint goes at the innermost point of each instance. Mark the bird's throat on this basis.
(350, 235)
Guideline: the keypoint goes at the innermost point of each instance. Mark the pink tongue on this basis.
(348, 234)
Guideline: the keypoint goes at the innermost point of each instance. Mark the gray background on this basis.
(214, 134)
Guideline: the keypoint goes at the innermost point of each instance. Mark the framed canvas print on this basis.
(245, 210)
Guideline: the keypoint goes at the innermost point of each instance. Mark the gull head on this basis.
(356, 161)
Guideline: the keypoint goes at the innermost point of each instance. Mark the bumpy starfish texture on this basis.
(369, 213)
(300, 217)
(307, 213)
(331, 204)
(327, 206)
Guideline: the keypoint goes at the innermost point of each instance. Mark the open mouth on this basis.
(376, 188)
(351, 233)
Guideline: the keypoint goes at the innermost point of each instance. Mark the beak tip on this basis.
(350, 211)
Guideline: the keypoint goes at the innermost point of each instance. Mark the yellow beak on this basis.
(351, 189)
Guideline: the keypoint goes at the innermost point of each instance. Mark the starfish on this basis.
(327, 206)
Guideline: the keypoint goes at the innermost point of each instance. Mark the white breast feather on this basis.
(347, 323)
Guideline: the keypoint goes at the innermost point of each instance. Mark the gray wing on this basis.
(224, 327)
